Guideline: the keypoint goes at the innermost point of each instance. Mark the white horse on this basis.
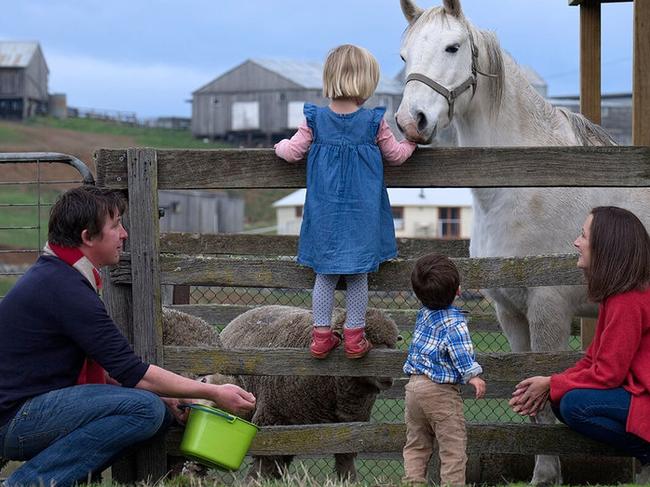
(457, 74)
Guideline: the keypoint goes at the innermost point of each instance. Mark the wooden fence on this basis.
(133, 293)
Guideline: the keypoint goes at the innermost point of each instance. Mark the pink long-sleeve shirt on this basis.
(394, 152)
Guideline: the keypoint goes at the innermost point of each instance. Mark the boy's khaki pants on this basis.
(434, 411)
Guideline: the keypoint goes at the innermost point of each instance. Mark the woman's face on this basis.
(582, 244)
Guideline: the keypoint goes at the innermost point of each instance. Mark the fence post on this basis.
(151, 461)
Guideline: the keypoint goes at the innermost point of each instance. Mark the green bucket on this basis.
(216, 438)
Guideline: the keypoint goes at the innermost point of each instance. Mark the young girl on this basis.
(347, 227)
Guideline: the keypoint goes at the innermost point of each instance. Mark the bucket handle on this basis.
(217, 412)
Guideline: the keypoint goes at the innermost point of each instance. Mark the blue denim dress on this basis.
(347, 225)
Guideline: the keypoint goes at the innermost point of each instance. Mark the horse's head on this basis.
(441, 69)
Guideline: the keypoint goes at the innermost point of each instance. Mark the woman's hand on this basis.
(234, 399)
(530, 395)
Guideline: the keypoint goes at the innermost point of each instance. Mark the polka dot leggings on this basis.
(356, 299)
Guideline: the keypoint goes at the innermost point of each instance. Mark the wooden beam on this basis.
(491, 272)
(389, 437)
(428, 167)
(581, 2)
(142, 167)
(641, 81)
(379, 363)
(590, 76)
(268, 245)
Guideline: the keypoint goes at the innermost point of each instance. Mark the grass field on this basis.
(143, 136)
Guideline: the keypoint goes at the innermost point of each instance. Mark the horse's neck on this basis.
(523, 119)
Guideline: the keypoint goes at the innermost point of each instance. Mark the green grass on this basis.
(9, 134)
(144, 136)
(24, 217)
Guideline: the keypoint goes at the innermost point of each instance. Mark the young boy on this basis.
(440, 358)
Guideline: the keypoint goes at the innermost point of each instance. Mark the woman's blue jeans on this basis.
(601, 414)
(67, 435)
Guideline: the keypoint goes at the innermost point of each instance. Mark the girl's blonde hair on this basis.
(350, 72)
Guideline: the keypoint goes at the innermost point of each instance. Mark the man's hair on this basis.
(79, 209)
(435, 280)
(350, 72)
(620, 253)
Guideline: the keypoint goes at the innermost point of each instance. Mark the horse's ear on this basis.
(452, 7)
(410, 10)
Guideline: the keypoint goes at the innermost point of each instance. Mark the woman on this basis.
(606, 395)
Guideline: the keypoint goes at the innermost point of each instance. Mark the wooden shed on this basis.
(23, 80)
(260, 101)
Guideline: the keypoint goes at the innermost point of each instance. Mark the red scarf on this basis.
(91, 372)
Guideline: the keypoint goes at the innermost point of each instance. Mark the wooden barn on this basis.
(23, 80)
(260, 101)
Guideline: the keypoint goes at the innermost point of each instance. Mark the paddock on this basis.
(133, 288)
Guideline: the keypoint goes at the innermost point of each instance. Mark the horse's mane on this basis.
(587, 132)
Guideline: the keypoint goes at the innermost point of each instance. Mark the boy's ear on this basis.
(458, 291)
(85, 239)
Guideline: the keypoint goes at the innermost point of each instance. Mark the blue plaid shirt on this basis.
(441, 348)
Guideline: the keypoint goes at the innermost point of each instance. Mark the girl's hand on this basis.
(530, 395)
(479, 386)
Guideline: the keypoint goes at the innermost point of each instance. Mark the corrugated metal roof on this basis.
(402, 197)
(16, 54)
(309, 74)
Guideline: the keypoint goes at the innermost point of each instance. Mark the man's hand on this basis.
(173, 405)
(234, 399)
(479, 386)
(530, 395)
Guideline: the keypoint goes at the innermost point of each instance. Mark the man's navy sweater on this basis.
(50, 321)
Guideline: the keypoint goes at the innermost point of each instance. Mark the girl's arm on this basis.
(393, 151)
(295, 148)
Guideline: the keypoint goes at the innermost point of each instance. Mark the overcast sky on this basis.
(148, 56)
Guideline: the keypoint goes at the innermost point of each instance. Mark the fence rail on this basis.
(434, 168)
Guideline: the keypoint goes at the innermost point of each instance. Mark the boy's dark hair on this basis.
(620, 253)
(435, 280)
(79, 209)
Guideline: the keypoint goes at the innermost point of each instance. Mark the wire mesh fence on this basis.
(370, 468)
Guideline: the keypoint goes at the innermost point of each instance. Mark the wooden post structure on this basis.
(641, 83)
(151, 462)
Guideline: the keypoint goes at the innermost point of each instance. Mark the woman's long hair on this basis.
(620, 253)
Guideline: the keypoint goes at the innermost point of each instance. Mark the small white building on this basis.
(424, 213)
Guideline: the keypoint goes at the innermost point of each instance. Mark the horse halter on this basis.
(451, 95)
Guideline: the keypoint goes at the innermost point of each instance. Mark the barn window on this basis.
(448, 222)
(295, 117)
(398, 217)
(298, 211)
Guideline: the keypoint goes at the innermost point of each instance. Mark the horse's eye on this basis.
(402, 58)
(453, 48)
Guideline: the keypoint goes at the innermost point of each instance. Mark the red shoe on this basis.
(355, 343)
(323, 341)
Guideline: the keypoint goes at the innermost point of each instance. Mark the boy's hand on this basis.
(479, 386)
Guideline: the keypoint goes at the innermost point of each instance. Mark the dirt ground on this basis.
(43, 139)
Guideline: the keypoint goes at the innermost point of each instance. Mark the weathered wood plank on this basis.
(390, 437)
(590, 60)
(379, 363)
(151, 461)
(272, 245)
(428, 167)
(392, 276)
(641, 81)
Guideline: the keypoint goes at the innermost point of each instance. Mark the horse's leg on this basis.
(515, 326)
(549, 314)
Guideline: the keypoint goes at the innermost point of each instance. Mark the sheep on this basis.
(306, 400)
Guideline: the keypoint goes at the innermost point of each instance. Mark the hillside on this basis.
(81, 137)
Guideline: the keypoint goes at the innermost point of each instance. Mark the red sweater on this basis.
(619, 356)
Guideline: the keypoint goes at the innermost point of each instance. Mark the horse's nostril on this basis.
(422, 121)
